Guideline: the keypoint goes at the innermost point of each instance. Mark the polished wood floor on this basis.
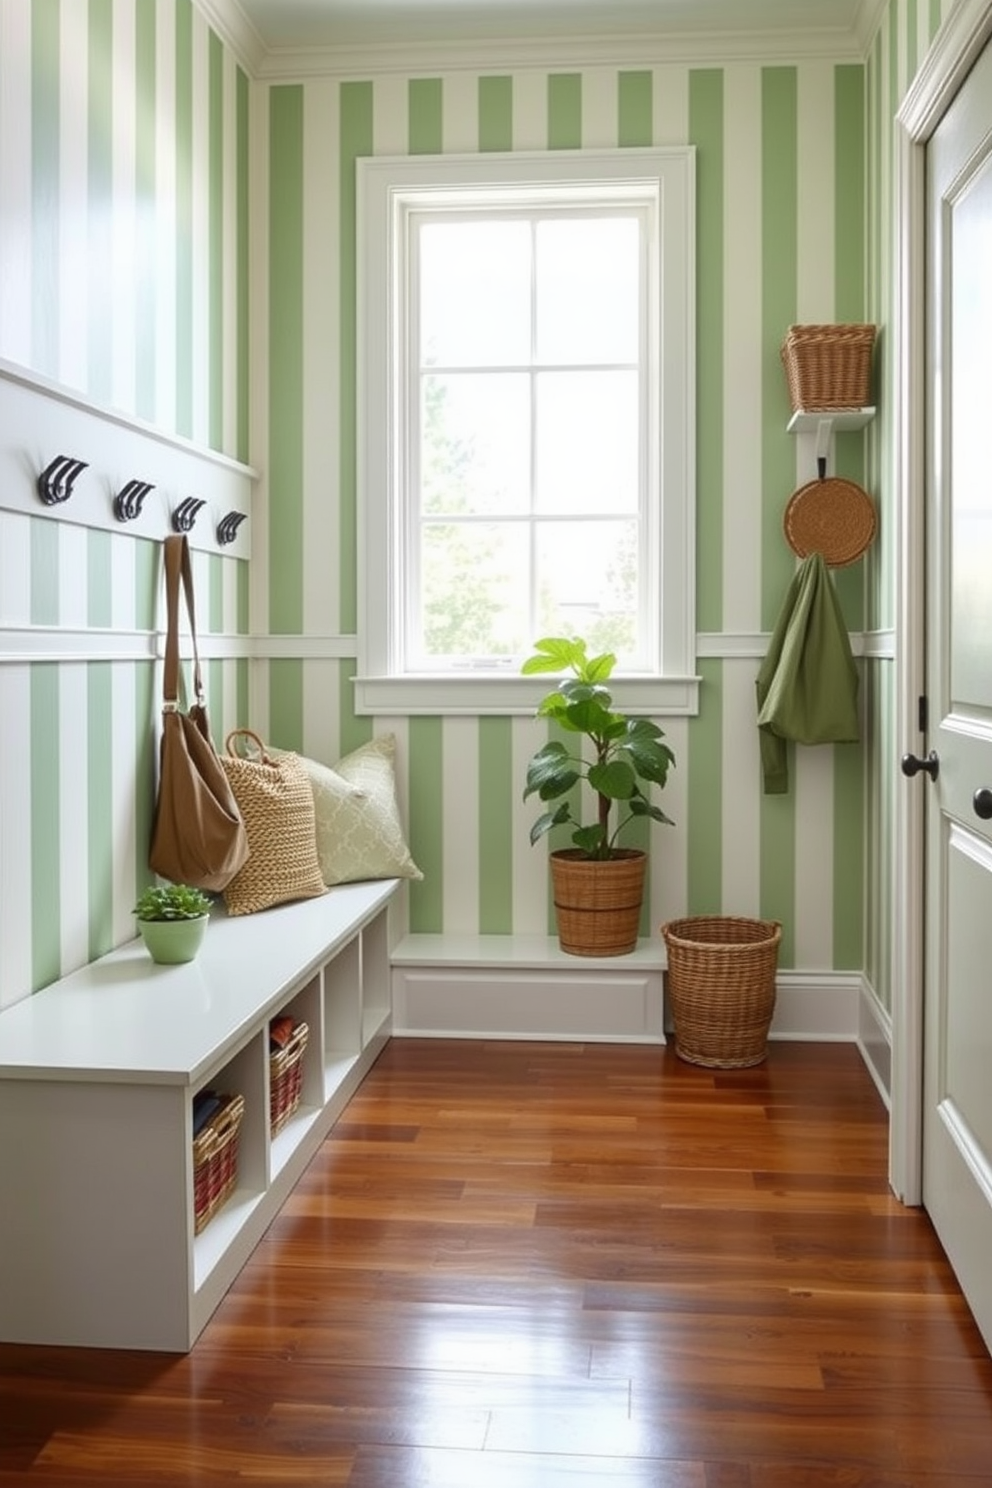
(556, 1266)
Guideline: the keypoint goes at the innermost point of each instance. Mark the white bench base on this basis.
(525, 987)
(98, 1074)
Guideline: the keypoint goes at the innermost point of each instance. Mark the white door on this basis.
(957, 1135)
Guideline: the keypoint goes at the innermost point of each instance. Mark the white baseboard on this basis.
(816, 1006)
(526, 988)
(875, 1040)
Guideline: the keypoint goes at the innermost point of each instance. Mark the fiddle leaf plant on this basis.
(628, 755)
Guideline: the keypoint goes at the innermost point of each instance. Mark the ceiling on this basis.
(282, 24)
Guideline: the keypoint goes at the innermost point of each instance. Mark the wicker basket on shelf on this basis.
(286, 1077)
(721, 988)
(828, 367)
(215, 1160)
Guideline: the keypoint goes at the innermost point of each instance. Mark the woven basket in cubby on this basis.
(215, 1160)
(286, 1077)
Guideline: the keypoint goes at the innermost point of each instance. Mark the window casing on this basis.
(538, 379)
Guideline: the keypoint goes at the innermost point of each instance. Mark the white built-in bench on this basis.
(98, 1074)
(525, 986)
(97, 1078)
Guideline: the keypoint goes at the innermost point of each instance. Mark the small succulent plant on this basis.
(172, 902)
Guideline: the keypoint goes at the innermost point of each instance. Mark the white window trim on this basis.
(386, 185)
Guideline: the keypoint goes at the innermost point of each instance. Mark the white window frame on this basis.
(389, 189)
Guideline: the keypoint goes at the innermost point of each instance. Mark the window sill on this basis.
(503, 696)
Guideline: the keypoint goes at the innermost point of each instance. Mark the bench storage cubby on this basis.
(98, 1075)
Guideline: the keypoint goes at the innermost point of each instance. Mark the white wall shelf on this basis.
(97, 1078)
(837, 420)
(822, 425)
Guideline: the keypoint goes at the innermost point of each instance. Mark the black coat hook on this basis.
(56, 480)
(186, 513)
(130, 499)
(227, 527)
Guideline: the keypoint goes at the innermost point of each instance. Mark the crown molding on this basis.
(518, 54)
(236, 31)
(866, 23)
(290, 64)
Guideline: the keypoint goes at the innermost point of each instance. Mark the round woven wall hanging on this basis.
(831, 516)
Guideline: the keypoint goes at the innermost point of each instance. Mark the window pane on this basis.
(492, 515)
(587, 442)
(588, 290)
(587, 583)
(475, 294)
(476, 590)
(475, 443)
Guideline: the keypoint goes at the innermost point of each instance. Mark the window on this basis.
(526, 424)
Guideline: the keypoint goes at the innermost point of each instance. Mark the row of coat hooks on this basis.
(56, 482)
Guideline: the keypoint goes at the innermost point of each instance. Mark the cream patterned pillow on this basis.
(359, 832)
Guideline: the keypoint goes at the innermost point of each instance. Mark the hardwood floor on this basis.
(557, 1266)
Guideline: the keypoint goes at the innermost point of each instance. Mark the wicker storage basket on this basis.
(828, 366)
(721, 988)
(215, 1160)
(286, 1077)
(598, 904)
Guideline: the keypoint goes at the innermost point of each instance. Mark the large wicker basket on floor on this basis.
(721, 988)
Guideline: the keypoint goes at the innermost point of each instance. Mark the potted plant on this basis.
(598, 885)
(172, 921)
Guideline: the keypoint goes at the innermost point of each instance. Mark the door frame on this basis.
(955, 49)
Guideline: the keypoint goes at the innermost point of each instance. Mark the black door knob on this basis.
(912, 764)
(982, 802)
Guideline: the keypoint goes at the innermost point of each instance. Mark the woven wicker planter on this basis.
(721, 988)
(598, 904)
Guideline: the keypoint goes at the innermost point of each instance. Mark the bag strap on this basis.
(246, 737)
(178, 574)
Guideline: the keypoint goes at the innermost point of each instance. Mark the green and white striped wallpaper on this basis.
(124, 200)
(124, 278)
(77, 747)
(178, 241)
(782, 234)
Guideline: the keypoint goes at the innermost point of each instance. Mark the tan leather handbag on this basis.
(198, 835)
